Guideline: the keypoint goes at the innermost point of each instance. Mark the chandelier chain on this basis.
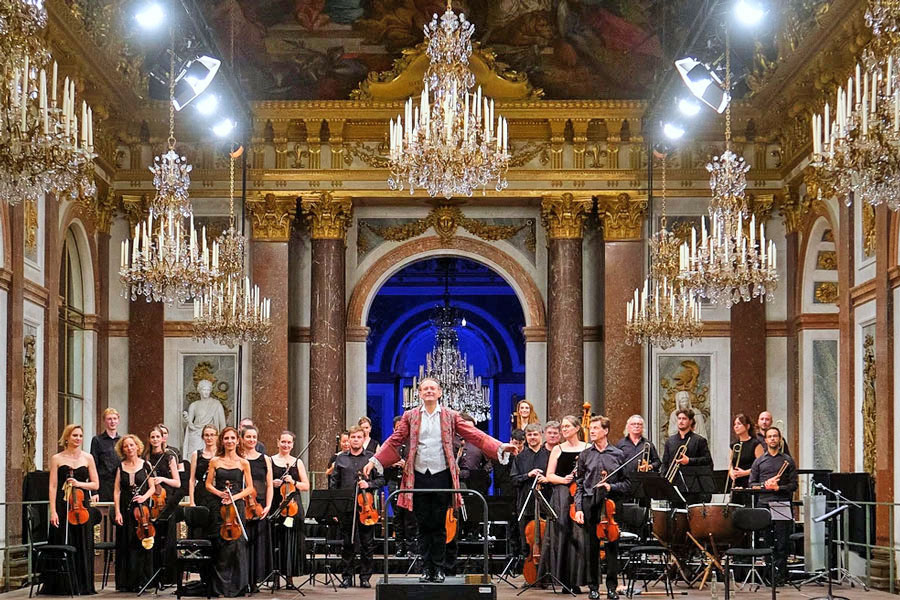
(662, 219)
(171, 139)
(728, 89)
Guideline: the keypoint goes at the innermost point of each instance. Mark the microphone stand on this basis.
(842, 573)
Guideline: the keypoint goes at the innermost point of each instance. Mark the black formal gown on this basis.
(259, 531)
(232, 569)
(134, 563)
(81, 537)
(289, 540)
(202, 497)
(748, 455)
(564, 549)
(167, 522)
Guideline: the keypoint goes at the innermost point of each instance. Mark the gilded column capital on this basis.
(135, 208)
(794, 208)
(622, 216)
(328, 216)
(106, 210)
(271, 216)
(564, 215)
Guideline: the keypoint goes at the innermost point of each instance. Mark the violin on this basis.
(231, 528)
(607, 528)
(368, 514)
(290, 505)
(573, 487)
(77, 513)
(158, 499)
(534, 533)
(145, 529)
(253, 510)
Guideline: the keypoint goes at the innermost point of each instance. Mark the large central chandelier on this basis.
(663, 313)
(462, 390)
(46, 147)
(856, 147)
(728, 265)
(452, 142)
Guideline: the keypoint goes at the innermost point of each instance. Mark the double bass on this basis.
(534, 534)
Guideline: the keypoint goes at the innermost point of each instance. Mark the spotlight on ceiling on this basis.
(207, 104)
(150, 15)
(689, 107)
(703, 83)
(194, 78)
(749, 12)
(223, 127)
(673, 131)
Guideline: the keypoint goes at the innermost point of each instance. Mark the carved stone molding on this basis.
(106, 210)
(271, 216)
(794, 208)
(134, 207)
(445, 219)
(563, 216)
(328, 216)
(622, 217)
(29, 415)
(31, 225)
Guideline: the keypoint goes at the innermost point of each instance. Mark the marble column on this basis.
(884, 379)
(327, 217)
(748, 358)
(623, 272)
(846, 345)
(271, 217)
(15, 372)
(146, 365)
(105, 213)
(563, 218)
(53, 242)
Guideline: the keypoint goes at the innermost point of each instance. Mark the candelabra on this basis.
(452, 143)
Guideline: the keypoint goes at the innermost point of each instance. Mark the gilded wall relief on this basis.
(825, 292)
(684, 382)
(29, 415)
(870, 449)
(868, 230)
(826, 260)
(31, 230)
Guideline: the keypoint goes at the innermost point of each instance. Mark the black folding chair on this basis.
(752, 521)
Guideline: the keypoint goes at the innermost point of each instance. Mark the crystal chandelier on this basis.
(452, 143)
(855, 147)
(232, 311)
(663, 313)
(166, 260)
(462, 390)
(729, 265)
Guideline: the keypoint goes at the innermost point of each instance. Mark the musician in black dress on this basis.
(229, 471)
(597, 482)
(346, 475)
(530, 463)
(369, 443)
(197, 493)
(70, 470)
(343, 444)
(288, 531)
(258, 529)
(162, 467)
(777, 473)
(164, 429)
(134, 556)
(565, 544)
(695, 466)
(404, 523)
(743, 452)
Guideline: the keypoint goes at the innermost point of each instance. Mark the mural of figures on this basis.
(684, 383)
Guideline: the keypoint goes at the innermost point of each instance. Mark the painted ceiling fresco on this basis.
(322, 49)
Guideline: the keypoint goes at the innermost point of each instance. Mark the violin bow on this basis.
(237, 513)
(276, 513)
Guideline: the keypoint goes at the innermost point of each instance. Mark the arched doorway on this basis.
(401, 335)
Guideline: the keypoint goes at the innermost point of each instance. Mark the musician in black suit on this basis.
(695, 463)
(404, 520)
(777, 473)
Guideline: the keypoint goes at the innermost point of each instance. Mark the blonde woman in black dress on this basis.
(259, 530)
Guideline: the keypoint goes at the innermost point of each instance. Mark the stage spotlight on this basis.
(207, 104)
(673, 131)
(223, 127)
(194, 79)
(150, 16)
(689, 107)
(749, 12)
(703, 83)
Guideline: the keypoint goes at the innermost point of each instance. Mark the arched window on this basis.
(71, 335)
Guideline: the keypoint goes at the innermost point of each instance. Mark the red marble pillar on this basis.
(105, 212)
(884, 379)
(15, 373)
(327, 217)
(53, 242)
(791, 283)
(623, 248)
(146, 366)
(748, 358)
(564, 218)
(272, 217)
(846, 268)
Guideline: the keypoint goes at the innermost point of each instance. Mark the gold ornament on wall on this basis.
(445, 220)
(31, 225)
(622, 217)
(29, 415)
(327, 216)
(868, 230)
(825, 292)
(564, 215)
(870, 448)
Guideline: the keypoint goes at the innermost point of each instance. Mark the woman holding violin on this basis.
(73, 475)
(225, 479)
(599, 483)
(565, 544)
(197, 494)
(259, 503)
(135, 534)
(290, 479)
(162, 467)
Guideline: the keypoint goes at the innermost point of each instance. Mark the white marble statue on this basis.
(205, 411)
(683, 400)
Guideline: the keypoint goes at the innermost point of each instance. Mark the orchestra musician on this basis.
(633, 443)
(531, 462)
(258, 529)
(72, 470)
(777, 473)
(197, 493)
(565, 545)
(597, 481)
(551, 435)
(226, 477)
(763, 422)
(288, 533)
(369, 443)
(428, 430)
(524, 415)
(343, 444)
(133, 486)
(743, 453)
(348, 466)
(404, 520)
(103, 449)
(162, 468)
(693, 463)
(506, 489)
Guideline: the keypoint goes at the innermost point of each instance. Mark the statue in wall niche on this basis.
(205, 411)
(684, 390)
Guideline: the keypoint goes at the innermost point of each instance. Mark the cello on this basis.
(534, 533)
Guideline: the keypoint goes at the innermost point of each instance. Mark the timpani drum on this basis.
(716, 521)
(670, 525)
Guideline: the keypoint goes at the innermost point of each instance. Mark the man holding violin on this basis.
(597, 478)
(348, 474)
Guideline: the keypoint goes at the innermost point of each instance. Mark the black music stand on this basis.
(325, 506)
(655, 486)
(540, 500)
(827, 517)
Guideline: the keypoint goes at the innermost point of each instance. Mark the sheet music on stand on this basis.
(656, 487)
(781, 510)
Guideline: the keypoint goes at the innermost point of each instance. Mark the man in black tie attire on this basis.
(695, 464)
